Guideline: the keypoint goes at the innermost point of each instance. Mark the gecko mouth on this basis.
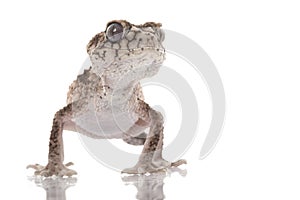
(143, 52)
(142, 49)
(146, 56)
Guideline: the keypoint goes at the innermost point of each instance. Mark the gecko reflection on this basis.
(55, 188)
(150, 187)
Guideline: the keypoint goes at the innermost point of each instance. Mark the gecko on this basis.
(106, 100)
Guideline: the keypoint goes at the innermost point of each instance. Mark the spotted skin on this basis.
(106, 100)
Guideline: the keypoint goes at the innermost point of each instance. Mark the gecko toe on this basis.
(37, 167)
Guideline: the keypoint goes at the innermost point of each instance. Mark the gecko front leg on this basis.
(55, 164)
(151, 159)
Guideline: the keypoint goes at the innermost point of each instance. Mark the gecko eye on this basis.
(114, 32)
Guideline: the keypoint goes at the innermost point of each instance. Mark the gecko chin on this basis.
(149, 63)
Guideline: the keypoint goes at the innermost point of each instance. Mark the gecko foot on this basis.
(53, 170)
(146, 166)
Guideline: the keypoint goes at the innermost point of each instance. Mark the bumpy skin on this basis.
(106, 101)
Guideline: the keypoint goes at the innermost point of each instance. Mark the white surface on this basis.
(254, 44)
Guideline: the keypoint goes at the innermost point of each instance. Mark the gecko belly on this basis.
(106, 125)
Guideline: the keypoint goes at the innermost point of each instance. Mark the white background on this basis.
(255, 46)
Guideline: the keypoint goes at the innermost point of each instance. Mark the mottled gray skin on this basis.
(106, 101)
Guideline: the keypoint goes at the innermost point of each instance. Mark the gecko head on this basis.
(127, 50)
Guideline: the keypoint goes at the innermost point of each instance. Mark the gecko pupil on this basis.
(114, 32)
